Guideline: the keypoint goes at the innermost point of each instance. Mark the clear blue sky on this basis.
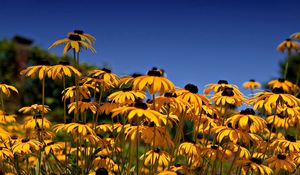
(195, 41)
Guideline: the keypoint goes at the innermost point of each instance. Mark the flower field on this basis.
(144, 124)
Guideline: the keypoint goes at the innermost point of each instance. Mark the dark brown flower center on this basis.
(281, 156)
(281, 80)
(155, 73)
(191, 88)
(141, 105)
(50, 143)
(228, 92)
(215, 147)
(127, 89)
(288, 39)
(86, 100)
(222, 82)
(281, 116)
(102, 156)
(290, 138)
(64, 62)
(43, 63)
(256, 160)
(75, 37)
(156, 150)
(179, 172)
(106, 70)
(134, 75)
(81, 122)
(25, 140)
(170, 94)
(78, 32)
(252, 80)
(278, 91)
(101, 171)
(200, 136)
(248, 111)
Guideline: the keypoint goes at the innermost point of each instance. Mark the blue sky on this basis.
(195, 41)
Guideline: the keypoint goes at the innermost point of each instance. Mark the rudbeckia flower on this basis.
(281, 121)
(156, 156)
(104, 161)
(289, 143)
(7, 89)
(7, 118)
(50, 146)
(270, 100)
(106, 75)
(126, 96)
(83, 105)
(288, 44)
(233, 134)
(84, 36)
(170, 102)
(296, 35)
(128, 80)
(220, 86)
(107, 107)
(251, 84)
(154, 82)
(189, 149)
(36, 122)
(5, 153)
(35, 109)
(246, 120)
(142, 111)
(214, 152)
(39, 70)
(70, 92)
(241, 151)
(190, 95)
(75, 42)
(62, 69)
(254, 165)
(227, 96)
(282, 162)
(74, 128)
(287, 86)
(26, 146)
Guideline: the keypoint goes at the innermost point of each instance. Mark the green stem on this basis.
(287, 63)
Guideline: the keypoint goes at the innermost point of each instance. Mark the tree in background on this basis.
(16, 55)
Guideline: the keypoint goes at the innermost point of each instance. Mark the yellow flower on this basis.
(289, 143)
(215, 152)
(36, 122)
(269, 101)
(6, 89)
(170, 102)
(126, 96)
(288, 44)
(104, 161)
(282, 162)
(281, 121)
(154, 82)
(241, 151)
(85, 104)
(39, 70)
(246, 120)
(26, 146)
(220, 86)
(227, 96)
(5, 153)
(106, 75)
(254, 165)
(189, 149)
(287, 86)
(84, 36)
(7, 118)
(128, 80)
(75, 42)
(156, 156)
(62, 69)
(50, 146)
(35, 109)
(140, 110)
(107, 107)
(84, 92)
(251, 84)
(190, 95)
(75, 128)
(295, 35)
